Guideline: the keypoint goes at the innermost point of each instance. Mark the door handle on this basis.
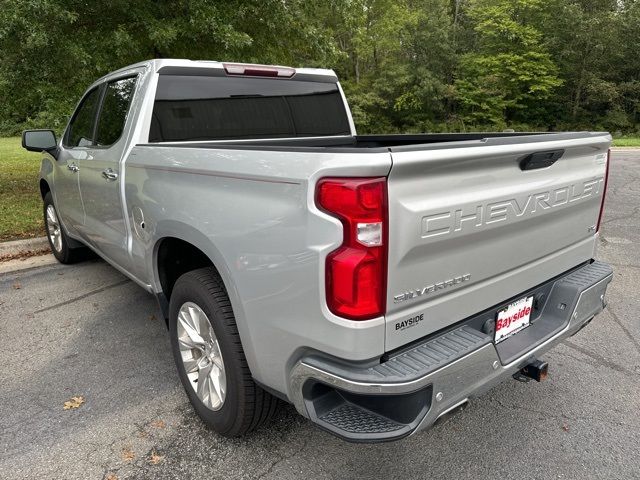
(540, 159)
(73, 167)
(109, 174)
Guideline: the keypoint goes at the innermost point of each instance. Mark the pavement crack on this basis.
(631, 180)
(635, 212)
(616, 319)
(81, 297)
(545, 414)
(563, 417)
(600, 360)
(624, 265)
(282, 459)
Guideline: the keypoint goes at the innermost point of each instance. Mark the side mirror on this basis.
(39, 140)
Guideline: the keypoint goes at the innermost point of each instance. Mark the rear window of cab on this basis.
(198, 107)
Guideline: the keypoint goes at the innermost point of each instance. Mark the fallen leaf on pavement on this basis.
(128, 454)
(111, 476)
(75, 402)
(158, 424)
(152, 317)
(154, 458)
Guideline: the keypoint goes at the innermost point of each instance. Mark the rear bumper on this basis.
(412, 389)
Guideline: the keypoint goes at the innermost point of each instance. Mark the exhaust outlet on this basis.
(451, 411)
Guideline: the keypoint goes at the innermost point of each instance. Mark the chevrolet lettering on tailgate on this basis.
(457, 220)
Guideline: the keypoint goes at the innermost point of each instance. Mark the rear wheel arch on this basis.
(182, 235)
(173, 258)
(174, 255)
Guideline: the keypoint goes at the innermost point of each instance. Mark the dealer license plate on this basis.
(512, 319)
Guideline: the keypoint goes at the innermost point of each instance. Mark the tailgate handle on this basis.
(540, 159)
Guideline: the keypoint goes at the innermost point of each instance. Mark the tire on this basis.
(59, 242)
(241, 406)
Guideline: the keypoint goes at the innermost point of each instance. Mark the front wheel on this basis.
(209, 356)
(58, 239)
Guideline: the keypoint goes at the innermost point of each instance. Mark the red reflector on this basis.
(604, 190)
(356, 273)
(258, 70)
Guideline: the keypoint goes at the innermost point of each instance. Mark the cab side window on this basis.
(80, 132)
(115, 108)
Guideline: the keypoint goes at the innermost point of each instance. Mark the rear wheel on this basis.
(209, 356)
(59, 242)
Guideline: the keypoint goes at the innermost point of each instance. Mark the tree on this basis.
(510, 69)
(594, 54)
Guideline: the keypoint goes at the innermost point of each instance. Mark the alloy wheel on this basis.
(201, 356)
(53, 228)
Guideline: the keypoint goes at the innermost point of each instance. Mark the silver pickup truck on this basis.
(377, 283)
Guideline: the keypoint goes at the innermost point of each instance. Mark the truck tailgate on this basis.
(470, 226)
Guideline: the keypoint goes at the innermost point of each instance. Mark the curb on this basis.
(18, 247)
(20, 264)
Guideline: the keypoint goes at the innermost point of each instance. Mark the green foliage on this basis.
(510, 69)
(495, 88)
(405, 65)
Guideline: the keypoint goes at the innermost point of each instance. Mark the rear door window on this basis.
(197, 107)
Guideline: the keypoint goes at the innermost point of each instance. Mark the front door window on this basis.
(80, 131)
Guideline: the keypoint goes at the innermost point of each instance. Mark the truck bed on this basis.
(397, 142)
(469, 225)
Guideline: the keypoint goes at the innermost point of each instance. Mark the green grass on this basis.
(20, 202)
(626, 142)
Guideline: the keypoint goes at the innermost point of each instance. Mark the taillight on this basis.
(604, 191)
(258, 70)
(356, 272)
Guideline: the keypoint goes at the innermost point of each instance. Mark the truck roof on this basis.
(158, 63)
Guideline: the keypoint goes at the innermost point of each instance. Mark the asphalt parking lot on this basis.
(85, 330)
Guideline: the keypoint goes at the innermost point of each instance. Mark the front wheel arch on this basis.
(68, 250)
(44, 188)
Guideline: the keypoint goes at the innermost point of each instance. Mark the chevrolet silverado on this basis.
(376, 282)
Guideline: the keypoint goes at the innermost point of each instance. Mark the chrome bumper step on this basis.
(416, 362)
(414, 387)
